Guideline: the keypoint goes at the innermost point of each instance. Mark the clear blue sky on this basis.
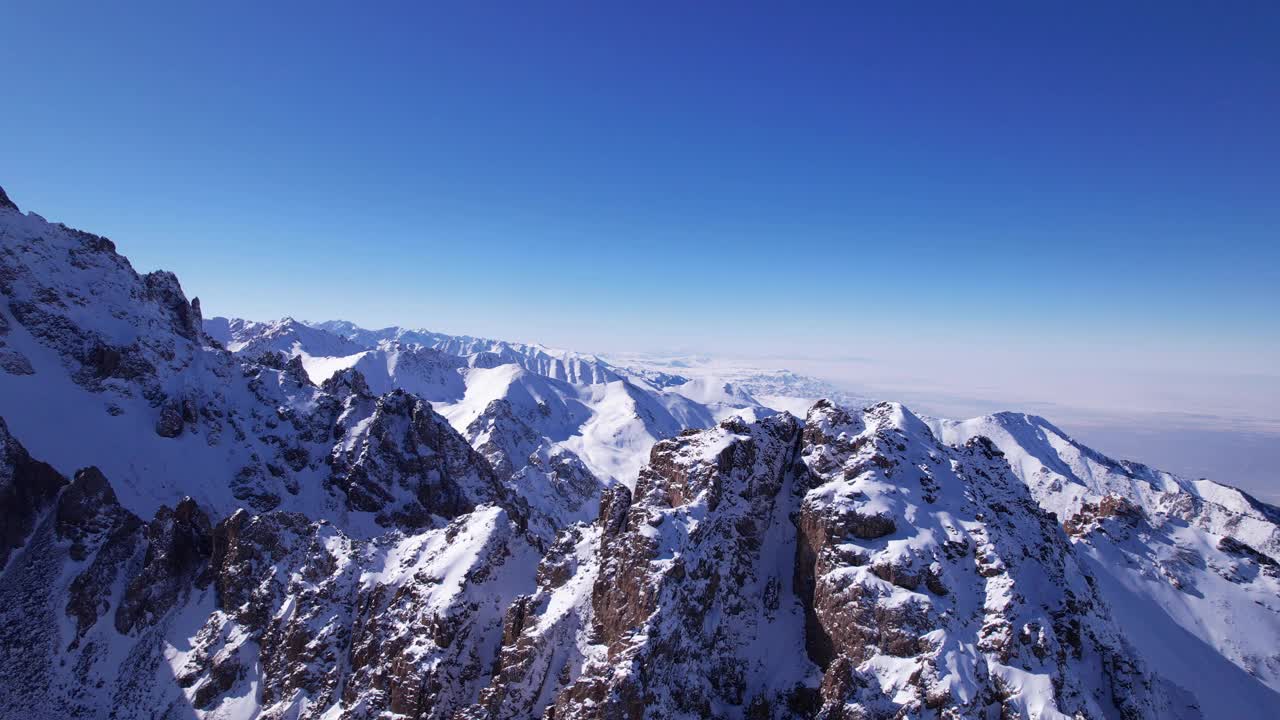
(1031, 178)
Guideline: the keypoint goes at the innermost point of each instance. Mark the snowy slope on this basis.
(1193, 567)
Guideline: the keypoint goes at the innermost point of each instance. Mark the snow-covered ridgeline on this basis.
(313, 520)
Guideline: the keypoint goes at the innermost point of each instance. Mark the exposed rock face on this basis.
(1093, 515)
(547, 635)
(551, 483)
(852, 568)
(6, 205)
(392, 625)
(27, 489)
(923, 559)
(170, 422)
(693, 607)
(506, 441)
(12, 361)
(88, 511)
(163, 288)
(402, 461)
(179, 543)
(59, 645)
(291, 607)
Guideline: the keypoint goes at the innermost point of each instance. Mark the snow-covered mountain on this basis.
(574, 403)
(1189, 566)
(557, 364)
(779, 388)
(233, 519)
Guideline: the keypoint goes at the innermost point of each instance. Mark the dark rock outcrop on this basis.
(7, 205)
(403, 462)
(103, 535)
(27, 489)
(179, 544)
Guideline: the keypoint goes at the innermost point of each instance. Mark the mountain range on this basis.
(228, 518)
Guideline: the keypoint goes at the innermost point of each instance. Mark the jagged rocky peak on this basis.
(164, 287)
(399, 459)
(7, 205)
(349, 382)
(676, 601)
(503, 438)
(938, 584)
(694, 584)
(285, 335)
(179, 545)
(850, 567)
(1193, 547)
(113, 329)
(254, 433)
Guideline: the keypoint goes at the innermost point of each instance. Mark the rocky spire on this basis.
(6, 203)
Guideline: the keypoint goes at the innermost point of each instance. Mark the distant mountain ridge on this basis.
(576, 402)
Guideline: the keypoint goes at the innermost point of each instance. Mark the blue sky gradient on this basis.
(1022, 199)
